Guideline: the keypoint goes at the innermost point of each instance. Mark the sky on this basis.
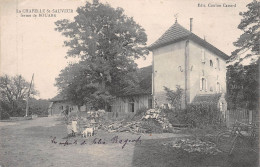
(30, 45)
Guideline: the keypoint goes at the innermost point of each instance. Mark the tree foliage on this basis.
(174, 97)
(250, 25)
(38, 106)
(243, 86)
(13, 92)
(107, 42)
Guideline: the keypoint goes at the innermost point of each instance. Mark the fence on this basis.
(241, 115)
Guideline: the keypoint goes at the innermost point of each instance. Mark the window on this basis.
(202, 55)
(203, 84)
(218, 88)
(211, 63)
(218, 66)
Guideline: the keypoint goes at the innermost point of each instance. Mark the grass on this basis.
(153, 153)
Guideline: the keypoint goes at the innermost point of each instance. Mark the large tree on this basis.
(107, 42)
(250, 39)
(243, 86)
(242, 80)
(13, 93)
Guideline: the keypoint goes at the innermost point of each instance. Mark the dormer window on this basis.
(202, 55)
(211, 63)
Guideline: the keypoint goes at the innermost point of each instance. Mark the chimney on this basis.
(191, 24)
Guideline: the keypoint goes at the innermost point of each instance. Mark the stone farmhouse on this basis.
(182, 58)
(179, 58)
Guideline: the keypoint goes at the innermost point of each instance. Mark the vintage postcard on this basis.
(129, 83)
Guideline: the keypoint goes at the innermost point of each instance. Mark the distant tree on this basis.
(13, 92)
(250, 25)
(107, 43)
(38, 106)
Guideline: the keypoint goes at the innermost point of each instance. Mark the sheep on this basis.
(88, 131)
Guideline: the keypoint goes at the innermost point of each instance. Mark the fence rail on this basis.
(241, 115)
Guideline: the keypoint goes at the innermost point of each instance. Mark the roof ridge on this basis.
(178, 33)
(175, 26)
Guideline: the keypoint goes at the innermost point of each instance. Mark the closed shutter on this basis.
(201, 84)
(206, 84)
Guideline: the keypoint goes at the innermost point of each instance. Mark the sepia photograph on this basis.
(129, 83)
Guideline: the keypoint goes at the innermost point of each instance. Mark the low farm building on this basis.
(59, 104)
(133, 98)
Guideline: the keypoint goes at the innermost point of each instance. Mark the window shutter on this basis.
(220, 88)
(201, 84)
(206, 84)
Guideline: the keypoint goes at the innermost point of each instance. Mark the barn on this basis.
(132, 99)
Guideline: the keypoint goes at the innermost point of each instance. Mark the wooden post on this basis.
(250, 116)
(227, 118)
(27, 100)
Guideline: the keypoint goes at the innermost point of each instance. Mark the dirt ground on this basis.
(40, 142)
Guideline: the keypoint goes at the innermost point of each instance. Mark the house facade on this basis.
(182, 58)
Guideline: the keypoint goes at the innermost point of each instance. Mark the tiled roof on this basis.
(208, 98)
(178, 33)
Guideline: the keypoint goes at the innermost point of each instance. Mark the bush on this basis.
(4, 114)
(151, 126)
(196, 115)
(4, 110)
(201, 115)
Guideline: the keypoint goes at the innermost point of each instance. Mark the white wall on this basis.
(168, 61)
(211, 74)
